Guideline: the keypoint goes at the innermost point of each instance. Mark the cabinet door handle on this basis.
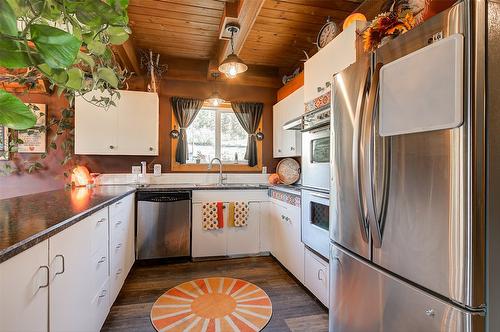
(118, 223)
(111, 147)
(118, 203)
(47, 272)
(119, 272)
(279, 150)
(151, 148)
(103, 293)
(320, 89)
(101, 220)
(292, 148)
(102, 260)
(319, 274)
(118, 246)
(328, 84)
(63, 264)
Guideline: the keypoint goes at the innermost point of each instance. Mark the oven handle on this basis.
(356, 155)
(323, 196)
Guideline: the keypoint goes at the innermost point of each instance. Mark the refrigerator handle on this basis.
(375, 218)
(356, 155)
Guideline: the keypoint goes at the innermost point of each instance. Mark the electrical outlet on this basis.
(136, 169)
(157, 169)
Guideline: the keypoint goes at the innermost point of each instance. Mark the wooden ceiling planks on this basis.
(178, 28)
(190, 29)
(286, 27)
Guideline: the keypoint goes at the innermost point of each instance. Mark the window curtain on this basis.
(185, 111)
(248, 115)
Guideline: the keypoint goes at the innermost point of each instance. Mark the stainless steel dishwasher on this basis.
(163, 224)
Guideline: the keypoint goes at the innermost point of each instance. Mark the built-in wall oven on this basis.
(316, 220)
(316, 175)
(316, 149)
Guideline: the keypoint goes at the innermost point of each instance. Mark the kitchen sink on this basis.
(229, 185)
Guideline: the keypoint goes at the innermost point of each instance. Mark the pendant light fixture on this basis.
(233, 65)
(215, 99)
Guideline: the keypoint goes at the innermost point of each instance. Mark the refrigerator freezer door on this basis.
(363, 298)
(347, 208)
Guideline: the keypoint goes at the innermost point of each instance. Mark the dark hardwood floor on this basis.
(294, 309)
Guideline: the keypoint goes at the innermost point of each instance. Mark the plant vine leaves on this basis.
(57, 48)
(8, 19)
(66, 42)
(14, 113)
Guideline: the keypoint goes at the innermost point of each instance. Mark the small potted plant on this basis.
(199, 156)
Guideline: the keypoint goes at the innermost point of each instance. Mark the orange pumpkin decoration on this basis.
(274, 178)
(353, 18)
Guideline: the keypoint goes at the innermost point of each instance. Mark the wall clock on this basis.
(326, 34)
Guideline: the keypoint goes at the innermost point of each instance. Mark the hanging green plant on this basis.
(67, 43)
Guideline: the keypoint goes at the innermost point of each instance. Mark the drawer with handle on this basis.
(100, 305)
(122, 208)
(99, 230)
(316, 276)
(100, 267)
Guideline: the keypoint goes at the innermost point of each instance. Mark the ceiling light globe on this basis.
(232, 66)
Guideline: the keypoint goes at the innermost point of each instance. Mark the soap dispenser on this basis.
(142, 176)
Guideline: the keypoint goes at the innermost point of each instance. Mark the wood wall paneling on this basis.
(52, 177)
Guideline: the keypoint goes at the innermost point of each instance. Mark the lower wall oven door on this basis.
(316, 158)
(316, 221)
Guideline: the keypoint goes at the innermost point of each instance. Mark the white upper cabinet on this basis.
(129, 128)
(287, 143)
(333, 58)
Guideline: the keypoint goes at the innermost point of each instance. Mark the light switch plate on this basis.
(136, 169)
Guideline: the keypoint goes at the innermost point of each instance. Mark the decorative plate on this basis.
(288, 170)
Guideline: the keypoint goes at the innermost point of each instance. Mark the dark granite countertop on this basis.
(28, 220)
(189, 186)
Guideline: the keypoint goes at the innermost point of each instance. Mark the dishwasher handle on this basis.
(163, 196)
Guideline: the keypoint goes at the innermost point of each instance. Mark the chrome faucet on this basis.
(221, 177)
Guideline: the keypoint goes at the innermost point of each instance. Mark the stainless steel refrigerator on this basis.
(414, 166)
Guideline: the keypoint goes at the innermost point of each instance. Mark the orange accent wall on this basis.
(291, 86)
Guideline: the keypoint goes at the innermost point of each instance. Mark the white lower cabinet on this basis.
(316, 276)
(69, 282)
(287, 246)
(24, 281)
(229, 240)
(121, 242)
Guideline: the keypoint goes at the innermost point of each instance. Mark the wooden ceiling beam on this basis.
(127, 54)
(247, 12)
(183, 69)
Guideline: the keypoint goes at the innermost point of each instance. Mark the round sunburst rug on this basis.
(212, 304)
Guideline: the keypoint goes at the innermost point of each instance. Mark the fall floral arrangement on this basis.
(389, 24)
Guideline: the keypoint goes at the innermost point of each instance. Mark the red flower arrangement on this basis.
(388, 24)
